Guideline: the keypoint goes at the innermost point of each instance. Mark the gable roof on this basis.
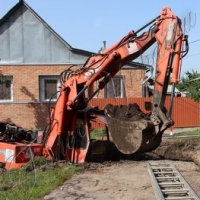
(19, 49)
(7, 27)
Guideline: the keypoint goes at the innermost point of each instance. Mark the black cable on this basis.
(48, 127)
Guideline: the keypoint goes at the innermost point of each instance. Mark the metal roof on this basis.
(20, 23)
(22, 2)
(27, 39)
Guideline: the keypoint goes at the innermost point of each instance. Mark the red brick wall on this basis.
(26, 111)
(26, 115)
(133, 82)
(26, 79)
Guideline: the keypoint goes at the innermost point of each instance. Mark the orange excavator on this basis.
(67, 134)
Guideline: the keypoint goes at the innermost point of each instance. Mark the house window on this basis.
(115, 88)
(6, 88)
(49, 87)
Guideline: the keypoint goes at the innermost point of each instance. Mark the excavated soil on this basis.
(179, 149)
(131, 112)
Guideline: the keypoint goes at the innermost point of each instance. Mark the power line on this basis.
(193, 55)
(198, 40)
(194, 41)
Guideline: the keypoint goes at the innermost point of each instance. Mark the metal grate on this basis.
(169, 184)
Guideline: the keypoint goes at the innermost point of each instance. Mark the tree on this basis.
(190, 85)
(4, 80)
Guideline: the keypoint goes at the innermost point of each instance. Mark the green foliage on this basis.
(190, 84)
(5, 80)
(188, 135)
(33, 184)
(98, 134)
(196, 132)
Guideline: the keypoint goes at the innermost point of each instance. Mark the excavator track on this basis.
(169, 184)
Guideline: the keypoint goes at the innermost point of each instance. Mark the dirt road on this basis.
(119, 181)
(129, 179)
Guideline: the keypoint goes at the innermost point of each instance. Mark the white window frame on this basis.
(123, 91)
(11, 89)
(42, 79)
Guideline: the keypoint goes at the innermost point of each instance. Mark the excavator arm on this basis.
(59, 137)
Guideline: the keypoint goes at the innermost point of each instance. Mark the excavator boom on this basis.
(67, 134)
(143, 134)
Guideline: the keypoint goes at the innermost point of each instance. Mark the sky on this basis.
(85, 24)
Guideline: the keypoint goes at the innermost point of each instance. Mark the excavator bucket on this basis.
(131, 130)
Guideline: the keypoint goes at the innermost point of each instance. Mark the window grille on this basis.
(49, 87)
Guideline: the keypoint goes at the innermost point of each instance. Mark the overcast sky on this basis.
(85, 24)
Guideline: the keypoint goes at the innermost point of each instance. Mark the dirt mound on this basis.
(179, 149)
(131, 112)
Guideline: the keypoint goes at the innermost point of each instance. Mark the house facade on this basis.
(32, 57)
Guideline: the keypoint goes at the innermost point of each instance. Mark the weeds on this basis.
(98, 134)
(34, 183)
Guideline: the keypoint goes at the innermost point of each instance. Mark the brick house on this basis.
(32, 56)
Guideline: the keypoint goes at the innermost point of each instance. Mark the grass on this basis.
(195, 131)
(28, 184)
(188, 135)
(191, 132)
(33, 183)
(98, 134)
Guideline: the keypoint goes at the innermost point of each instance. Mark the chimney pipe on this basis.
(104, 45)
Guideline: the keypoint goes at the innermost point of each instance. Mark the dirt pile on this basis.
(131, 112)
(179, 149)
